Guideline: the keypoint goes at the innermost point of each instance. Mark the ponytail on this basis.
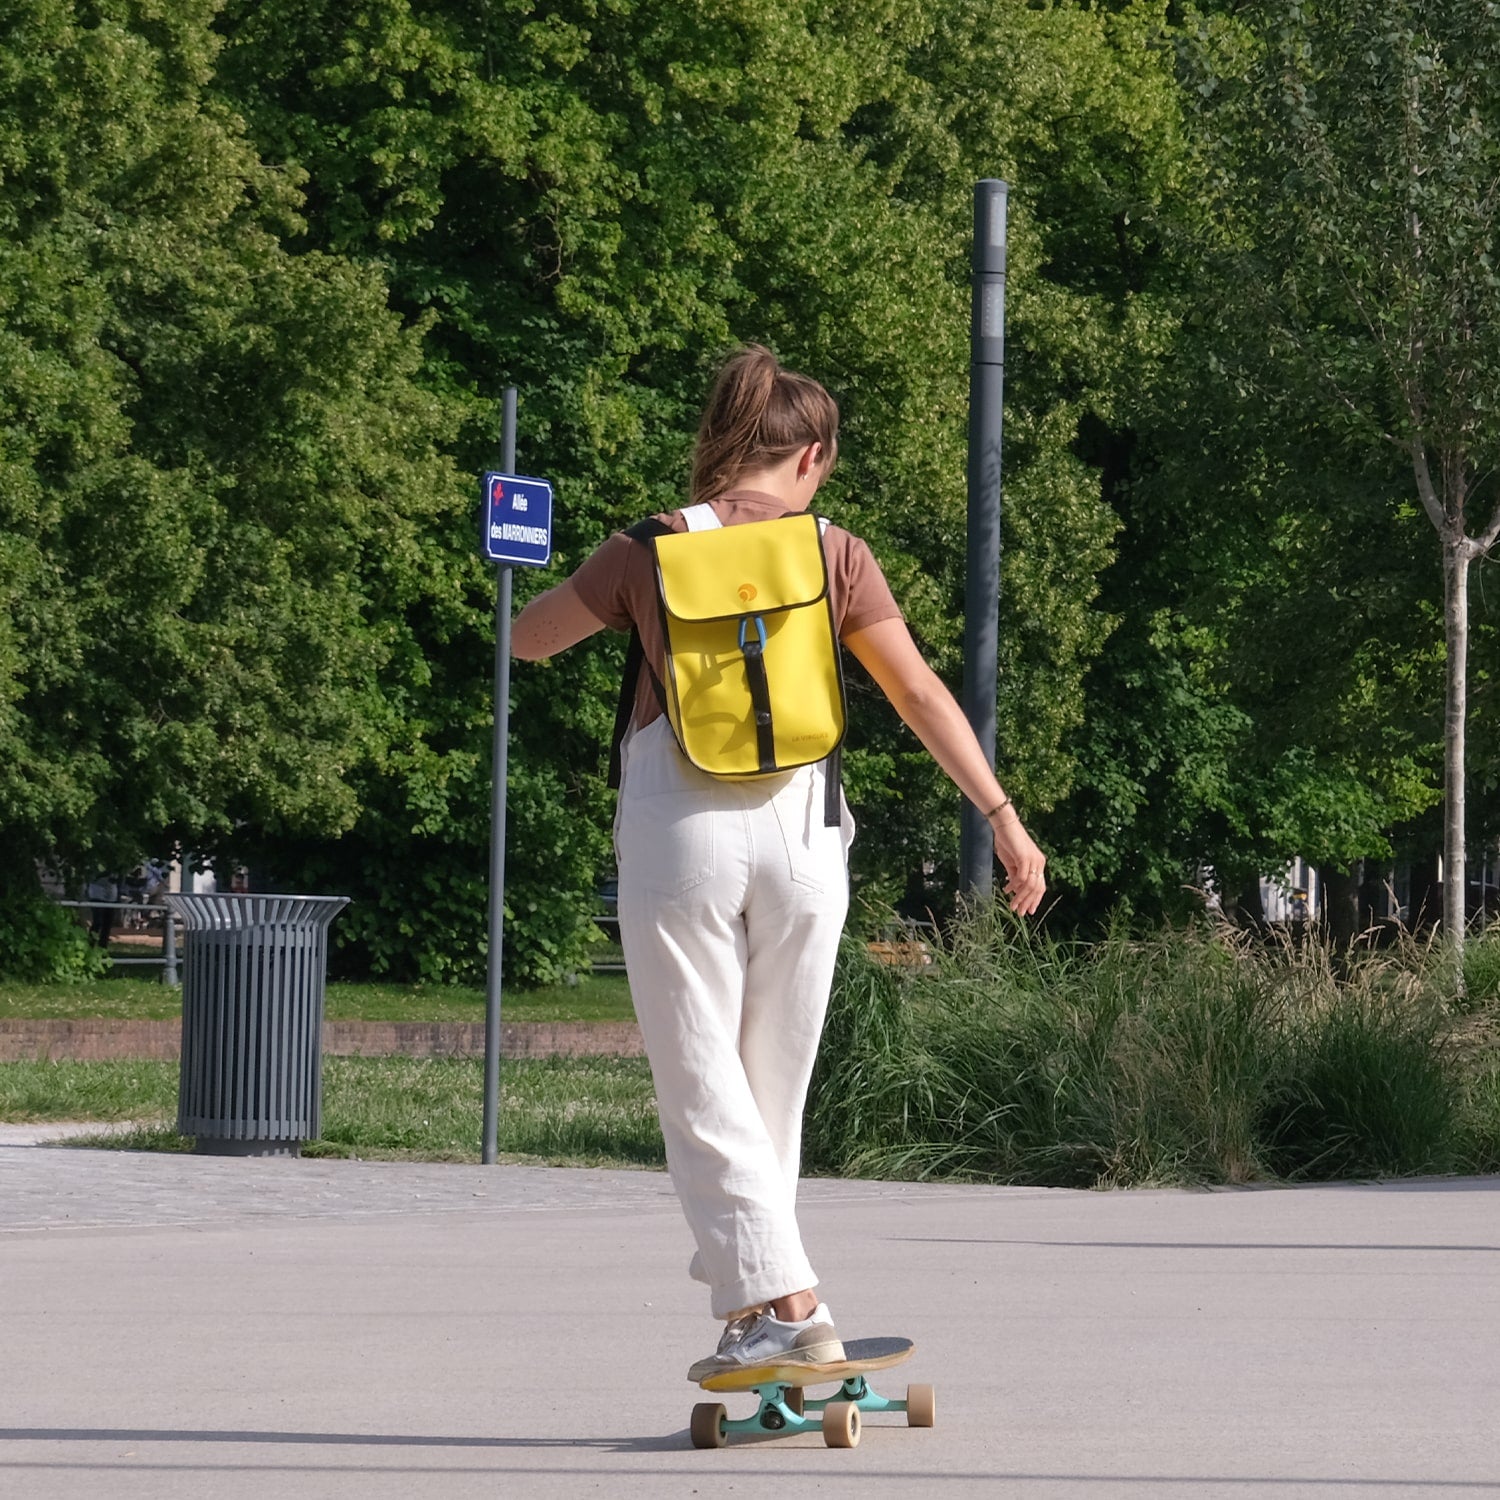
(757, 414)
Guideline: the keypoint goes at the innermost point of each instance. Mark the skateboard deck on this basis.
(860, 1357)
(785, 1408)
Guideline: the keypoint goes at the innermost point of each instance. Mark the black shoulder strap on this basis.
(833, 767)
(635, 659)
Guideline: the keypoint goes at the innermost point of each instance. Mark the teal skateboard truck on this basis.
(785, 1406)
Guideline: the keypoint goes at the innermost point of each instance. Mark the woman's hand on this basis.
(1023, 861)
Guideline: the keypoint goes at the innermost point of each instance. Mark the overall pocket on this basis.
(665, 844)
(817, 855)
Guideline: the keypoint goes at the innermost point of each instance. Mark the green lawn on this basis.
(578, 1111)
(596, 997)
(582, 1111)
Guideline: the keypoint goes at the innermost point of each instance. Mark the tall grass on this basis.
(1196, 1056)
(1188, 1057)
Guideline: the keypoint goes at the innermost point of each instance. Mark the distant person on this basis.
(733, 892)
(133, 890)
(103, 888)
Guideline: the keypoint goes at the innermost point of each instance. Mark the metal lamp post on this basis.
(982, 578)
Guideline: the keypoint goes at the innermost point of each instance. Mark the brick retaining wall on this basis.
(161, 1041)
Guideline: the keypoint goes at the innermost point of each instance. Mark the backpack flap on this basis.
(722, 574)
(755, 681)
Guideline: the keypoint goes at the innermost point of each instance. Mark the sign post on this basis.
(516, 524)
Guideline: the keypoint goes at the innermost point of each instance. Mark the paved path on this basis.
(198, 1326)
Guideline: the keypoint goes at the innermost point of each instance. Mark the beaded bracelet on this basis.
(1000, 806)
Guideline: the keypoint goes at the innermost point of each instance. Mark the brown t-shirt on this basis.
(617, 583)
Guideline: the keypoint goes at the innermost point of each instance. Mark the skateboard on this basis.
(786, 1408)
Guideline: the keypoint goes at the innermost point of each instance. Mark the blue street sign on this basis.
(517, 520)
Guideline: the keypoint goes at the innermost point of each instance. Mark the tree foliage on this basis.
(222, 483)
(268, 267)
(594, 201)
(1352, 153)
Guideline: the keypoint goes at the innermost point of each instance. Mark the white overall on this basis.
(732, 899)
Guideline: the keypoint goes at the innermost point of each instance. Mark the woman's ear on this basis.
(810, 458)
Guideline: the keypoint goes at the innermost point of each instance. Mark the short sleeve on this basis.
(859, 585)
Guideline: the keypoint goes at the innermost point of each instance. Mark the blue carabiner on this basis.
(760, 630)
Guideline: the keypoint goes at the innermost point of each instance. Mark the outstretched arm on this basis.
(888, 653)
(551, 623)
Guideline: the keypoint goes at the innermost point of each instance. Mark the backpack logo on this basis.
(747, 592)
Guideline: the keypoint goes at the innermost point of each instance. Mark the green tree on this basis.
(594, 200)
(1355, 156)
(221, 485)
(1289, 594)
(1091, 118)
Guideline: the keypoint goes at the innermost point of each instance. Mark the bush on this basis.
(417, 874)
(1482, 969)
(1363, 1091)
(40, 941)
(1192, 1056)
(1481, 1120)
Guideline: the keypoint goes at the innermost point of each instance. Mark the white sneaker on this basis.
(761, 1338)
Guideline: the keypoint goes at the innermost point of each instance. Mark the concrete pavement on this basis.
(175, 1326)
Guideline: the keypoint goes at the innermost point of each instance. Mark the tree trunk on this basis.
(1457, 553)
(1424, 907)
(1341, 906)
(1250, 907)
(1374, 895)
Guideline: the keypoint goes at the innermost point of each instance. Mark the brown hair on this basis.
(757, 414)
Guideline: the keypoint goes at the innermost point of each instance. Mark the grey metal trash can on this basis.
(251, 1081)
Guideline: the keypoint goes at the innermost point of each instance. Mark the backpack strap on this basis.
(635, 659)
(753, 649)
(701, 517)
(833, 767)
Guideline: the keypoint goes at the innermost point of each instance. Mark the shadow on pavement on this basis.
(670, 1442)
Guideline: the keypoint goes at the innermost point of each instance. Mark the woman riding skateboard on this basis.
(733, 892)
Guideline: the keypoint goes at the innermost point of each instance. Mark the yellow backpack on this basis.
(754, 684)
